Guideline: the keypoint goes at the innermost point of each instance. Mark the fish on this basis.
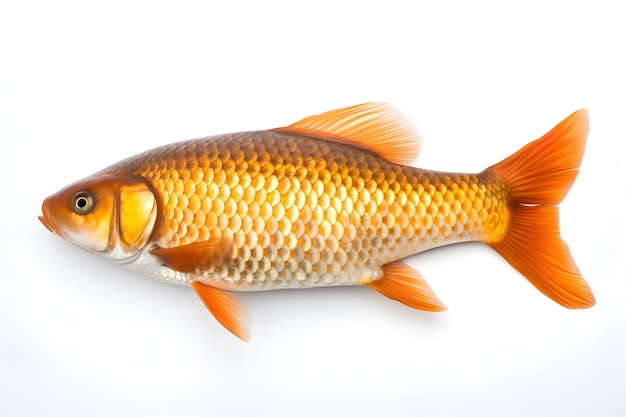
(329, 200)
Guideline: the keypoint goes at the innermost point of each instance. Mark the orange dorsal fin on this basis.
(226, 307)
(402, 283)
(197, 256)
(538, 177)
(375, 126)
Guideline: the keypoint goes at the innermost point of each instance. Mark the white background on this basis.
(85, 84)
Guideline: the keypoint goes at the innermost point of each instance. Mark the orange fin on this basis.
(196, 257)
(226, 307)
(544, 170)
(373, 126)
(538, 176)
(533, 246)
(402, 283)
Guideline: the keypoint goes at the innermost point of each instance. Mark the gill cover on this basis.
(110, 214)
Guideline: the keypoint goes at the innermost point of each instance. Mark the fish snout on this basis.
(46, 217)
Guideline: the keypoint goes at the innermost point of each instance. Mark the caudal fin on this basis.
(538, 176)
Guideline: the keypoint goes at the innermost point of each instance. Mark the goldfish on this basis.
(328, 200)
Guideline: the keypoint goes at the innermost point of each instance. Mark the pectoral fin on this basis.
(197, 256)
(226, 307)
(402, 283)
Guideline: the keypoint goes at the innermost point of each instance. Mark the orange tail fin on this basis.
(539, 175)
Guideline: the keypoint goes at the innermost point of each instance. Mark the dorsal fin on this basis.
(375, 126)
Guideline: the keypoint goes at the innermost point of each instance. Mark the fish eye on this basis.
(82, 203)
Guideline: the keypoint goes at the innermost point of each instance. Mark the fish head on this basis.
(112, 215)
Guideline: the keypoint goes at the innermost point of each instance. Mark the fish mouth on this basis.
(47, 223)
(45, 218)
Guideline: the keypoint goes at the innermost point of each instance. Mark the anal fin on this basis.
(226, 307)
(402, 283)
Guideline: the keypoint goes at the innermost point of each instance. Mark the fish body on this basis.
(328, 200)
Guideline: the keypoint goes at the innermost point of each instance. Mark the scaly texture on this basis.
(322, 202)
(304, 211)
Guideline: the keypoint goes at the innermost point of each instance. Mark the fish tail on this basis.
(537, 177)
